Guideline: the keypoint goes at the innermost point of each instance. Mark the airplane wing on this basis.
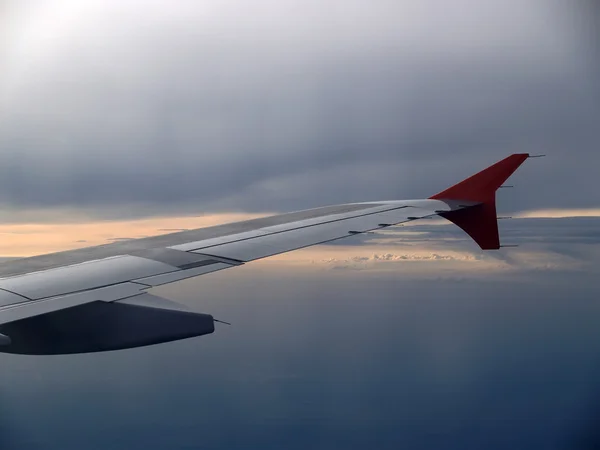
(98, 299)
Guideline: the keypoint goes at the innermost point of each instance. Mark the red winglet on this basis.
(480, 222)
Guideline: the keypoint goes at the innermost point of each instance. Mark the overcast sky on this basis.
(135, 108)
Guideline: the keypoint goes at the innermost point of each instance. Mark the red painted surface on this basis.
(480, 222)
(482, 186)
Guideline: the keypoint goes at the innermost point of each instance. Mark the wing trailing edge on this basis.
(479, 219)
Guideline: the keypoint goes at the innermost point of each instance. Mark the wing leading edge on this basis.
(77, 302)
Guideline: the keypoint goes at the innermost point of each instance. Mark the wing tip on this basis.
(480, 222)
(482, 186)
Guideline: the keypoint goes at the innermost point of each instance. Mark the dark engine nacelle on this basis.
(101, 326)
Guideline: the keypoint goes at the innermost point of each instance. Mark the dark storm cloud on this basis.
(291, 105)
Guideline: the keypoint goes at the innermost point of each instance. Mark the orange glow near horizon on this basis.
(558, 213)
(383, 252)
(21, 240)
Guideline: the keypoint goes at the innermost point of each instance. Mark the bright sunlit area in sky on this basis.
(127, 119)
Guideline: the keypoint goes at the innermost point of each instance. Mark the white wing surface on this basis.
(97, 299)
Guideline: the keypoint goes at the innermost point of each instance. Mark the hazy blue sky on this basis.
(414, 338)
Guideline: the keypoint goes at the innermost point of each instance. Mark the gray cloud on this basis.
(567, 245)
(146, 108)
(570, 230)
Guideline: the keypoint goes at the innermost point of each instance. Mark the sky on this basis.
(126, 109)
(123, 119)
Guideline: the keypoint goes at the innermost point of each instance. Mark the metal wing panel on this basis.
(285, 241)
(179, 275)
(85, 276)
(418, 209)
(10, 298)
(368, 209)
